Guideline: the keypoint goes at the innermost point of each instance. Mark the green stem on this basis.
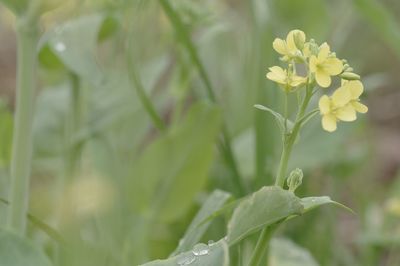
(262, 245)
(288, 142)
(184, 37)
(27, 38)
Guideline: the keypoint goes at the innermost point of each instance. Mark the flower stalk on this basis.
(27, 38)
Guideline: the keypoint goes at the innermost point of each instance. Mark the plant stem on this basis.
(27, 38)
(288, 141)
(262, 245)
(225, 144)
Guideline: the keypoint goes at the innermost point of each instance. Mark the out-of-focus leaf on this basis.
(6, 129)
(216, 255)
(263, 208)
(74, 43)
(108, 28)
(17, 6)
(382, 19)
(17, 251)
(286, 253)
(174, 168)
(196, 229)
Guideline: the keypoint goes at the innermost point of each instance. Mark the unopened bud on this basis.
(349, 76)
(295, 179)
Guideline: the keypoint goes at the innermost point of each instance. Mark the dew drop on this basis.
(186, 259)
(60, 47)
(200, 249)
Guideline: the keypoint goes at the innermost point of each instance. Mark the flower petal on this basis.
(346, 113)
(280, 46)
(329, 123)
(324, 51)
(297, 80)
(333, 66)
(323, 79)
(277, 74)
(324, 105)
(359, 107)
(341, 97)
(291, 42)
(356, 88)
(313, 63)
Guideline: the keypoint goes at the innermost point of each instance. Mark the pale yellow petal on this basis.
(322, 78)
(346, 113)
(333, 66)
(291, 42)
(277, 74)
(329, 123)
(324, 51)
(356, 88)
(324, 105)
(341, 97)
(359, 107)
(297, 80)
(280, 46)
(313, 63)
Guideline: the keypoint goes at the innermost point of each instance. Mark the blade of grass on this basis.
(137, 83)
(184, 38)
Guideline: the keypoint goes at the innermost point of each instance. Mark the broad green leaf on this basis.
(310, 203)
(174, 168)
(263, 208)
(280, 120)
(196, 229)
(216, 254)
(74, 44)
(17, 251)
(286, 253)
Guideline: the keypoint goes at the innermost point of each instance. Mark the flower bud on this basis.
(295, 179)
(349, 76)
(299, 39)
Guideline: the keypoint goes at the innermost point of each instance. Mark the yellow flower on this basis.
(356, 88)
(342, 105)
(325, 65)
(285, 79)
(291, 47)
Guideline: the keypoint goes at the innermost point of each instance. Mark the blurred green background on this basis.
(122, 190)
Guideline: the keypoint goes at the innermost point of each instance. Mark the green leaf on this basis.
(17, 251)
(280, 120)
(174, 168)
(263, 208)
(286, 253)
(196, 229)
(17, 6)
(74, 44)
(216, 255)
(310, 203)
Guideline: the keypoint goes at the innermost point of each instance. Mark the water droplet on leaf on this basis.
(60, 47)
(200, 249)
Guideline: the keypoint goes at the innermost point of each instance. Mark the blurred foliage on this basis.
(121, 192)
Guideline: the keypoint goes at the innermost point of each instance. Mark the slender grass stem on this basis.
(141, 92)
(185, 39)
(27, 38)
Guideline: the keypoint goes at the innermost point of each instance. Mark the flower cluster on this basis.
(321, 65)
